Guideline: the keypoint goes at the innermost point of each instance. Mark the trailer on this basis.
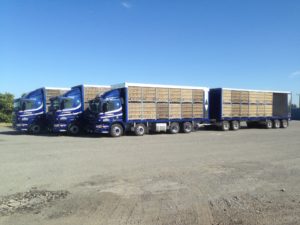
(30, 111)
(67, 112)
(143, 108)
(229, 107)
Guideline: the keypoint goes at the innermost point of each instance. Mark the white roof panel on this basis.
(122, 85)
(236, 89)
(92, 85)
(57, 88)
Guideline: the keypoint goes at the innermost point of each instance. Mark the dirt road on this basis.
(208, 177)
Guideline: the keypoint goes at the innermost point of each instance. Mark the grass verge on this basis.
(5, 125)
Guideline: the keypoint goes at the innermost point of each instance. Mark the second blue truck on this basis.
(67, 112)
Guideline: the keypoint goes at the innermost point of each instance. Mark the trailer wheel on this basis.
(116, 130)
(140, 129)
(187, 127)
(235, 125)
(276, 124)
(174, 128)
(36, 129)
(284, 123)
(225, 126)
(74, 129)
(269, 124)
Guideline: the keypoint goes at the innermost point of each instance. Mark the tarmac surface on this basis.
(250, 176)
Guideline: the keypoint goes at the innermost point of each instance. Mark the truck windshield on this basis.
(72, 99)
(33, 100)
(54, 104)
(16, 104)
(94, 106)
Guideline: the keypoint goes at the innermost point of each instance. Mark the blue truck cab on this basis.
(30, 110)
(67, 112)
(114, 111)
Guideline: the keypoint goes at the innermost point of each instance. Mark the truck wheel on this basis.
(140, 129)
(74, 129)
(235, 125)
(187, 127)
(36, 129)
(225, 126)
(276, 124)
(284, 123)
(269, 124)
(174, 128)
(116, 130)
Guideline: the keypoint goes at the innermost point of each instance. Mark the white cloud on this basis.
(126, 5)
(295, 74)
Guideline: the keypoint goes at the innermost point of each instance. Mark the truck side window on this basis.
(113, 105)
(105, 107)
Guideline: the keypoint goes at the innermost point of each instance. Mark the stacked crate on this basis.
(226, 103)
(175, 103)
(198, 100)
(268, 104)
(91, 92)
(164, 103)
(53, 92)
(238, 103)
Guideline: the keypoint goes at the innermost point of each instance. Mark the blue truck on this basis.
(67, 112)
(143, 108)
(229, 107)
(30, 110)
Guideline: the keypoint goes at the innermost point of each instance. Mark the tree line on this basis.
(6, 107)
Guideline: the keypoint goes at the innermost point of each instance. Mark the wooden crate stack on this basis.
(247, 103)
(164, 103)
(91, 92)
(50, 93)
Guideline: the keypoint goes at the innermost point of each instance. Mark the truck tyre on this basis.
(74, 129)
(269, 124)
(174, 128)
(284, 123)
(235, 125)
(116, 130)
(225, 126)
(187, 127)
(140, 129)
(276, 124)
(36, 129)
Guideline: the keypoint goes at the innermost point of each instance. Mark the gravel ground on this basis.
(251, 176)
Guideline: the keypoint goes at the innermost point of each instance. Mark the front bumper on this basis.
(101, 128)
(22, 126)
(59, 127)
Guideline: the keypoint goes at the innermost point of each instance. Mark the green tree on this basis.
(6, 107)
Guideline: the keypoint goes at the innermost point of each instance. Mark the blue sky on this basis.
(252, 44)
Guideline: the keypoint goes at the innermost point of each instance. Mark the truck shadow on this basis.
(18, 133)
(128, 134)
(11, 132)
